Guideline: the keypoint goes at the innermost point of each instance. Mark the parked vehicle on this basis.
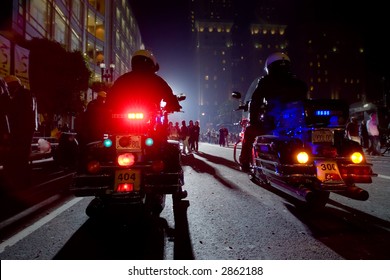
(133, 166)
(43, 148)
(308, 155)
(67, 153)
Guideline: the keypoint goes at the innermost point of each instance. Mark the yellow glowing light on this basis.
(302, 157)
(357, 157)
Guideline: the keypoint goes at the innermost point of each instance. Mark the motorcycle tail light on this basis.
(158, 166)
(357, 157)
(135, 116)
(93, 166)
(126, 159)
(302, 157)
(356, 173)
(125, 187)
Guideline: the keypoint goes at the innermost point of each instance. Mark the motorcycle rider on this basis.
(276, 88)
(142, 85)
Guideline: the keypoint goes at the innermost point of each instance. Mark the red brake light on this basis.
(158, 166)
(126, 159)
(93, 166)
(125, 187)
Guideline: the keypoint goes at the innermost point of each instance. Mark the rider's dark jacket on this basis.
(271, 93)
(141, 87)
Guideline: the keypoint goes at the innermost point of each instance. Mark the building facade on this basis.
(329, 56)
(231, 48)
(105, 31)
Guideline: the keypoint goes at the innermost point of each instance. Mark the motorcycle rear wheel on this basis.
(317, 200)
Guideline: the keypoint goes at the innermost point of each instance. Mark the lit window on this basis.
(59, 26)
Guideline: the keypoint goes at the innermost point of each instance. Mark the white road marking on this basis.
(384, 176)
(27, 231)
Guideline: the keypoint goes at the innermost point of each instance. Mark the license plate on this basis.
(322, 136)
(131, 143)
(128, 176)
(327, 171)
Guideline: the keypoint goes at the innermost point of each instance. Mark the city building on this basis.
(231, 48)
(105, 31)
(233, 40)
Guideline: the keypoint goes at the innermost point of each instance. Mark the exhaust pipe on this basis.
(302, 193)
(355, 192)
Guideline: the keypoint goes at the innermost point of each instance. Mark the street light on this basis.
(107, 74)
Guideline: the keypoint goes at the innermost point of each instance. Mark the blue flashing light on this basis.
(107, 143)
(149, 142)
(322, 113)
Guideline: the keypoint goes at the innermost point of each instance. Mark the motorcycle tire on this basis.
(95, 208)
(317, 200)
(155, 203)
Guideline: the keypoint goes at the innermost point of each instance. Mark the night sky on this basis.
(165, 29)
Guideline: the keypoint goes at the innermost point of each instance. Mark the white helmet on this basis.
(278, 56)
(144, 59)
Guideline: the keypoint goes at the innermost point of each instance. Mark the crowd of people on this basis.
(188, 135)
(366, 133)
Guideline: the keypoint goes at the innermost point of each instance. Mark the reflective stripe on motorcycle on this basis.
(328, 171)
(130, 176)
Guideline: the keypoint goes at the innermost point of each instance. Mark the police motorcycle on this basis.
(308, 156)
(132, 167)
